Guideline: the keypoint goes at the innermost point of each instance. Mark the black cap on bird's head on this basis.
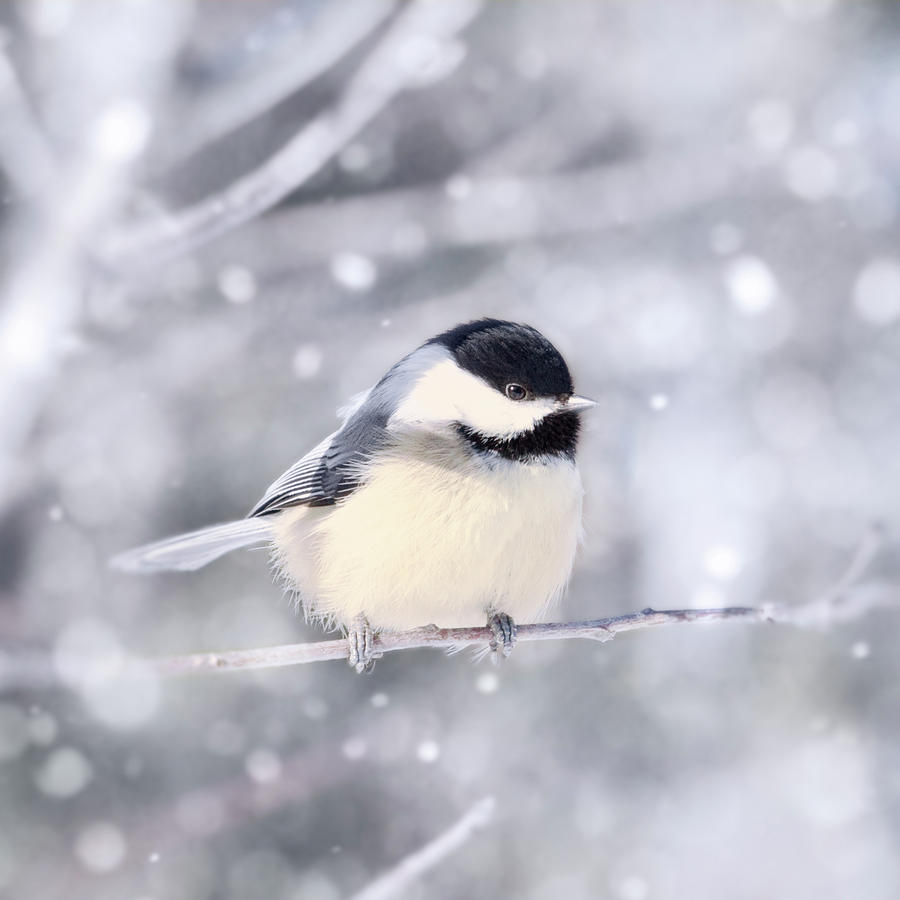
(507, 353)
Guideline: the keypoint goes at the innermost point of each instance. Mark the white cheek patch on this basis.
(446, 393)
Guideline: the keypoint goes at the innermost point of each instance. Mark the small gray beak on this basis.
(576, 403)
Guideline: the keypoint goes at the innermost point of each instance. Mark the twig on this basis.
(394, 882)
(596, 630)
(431, 636)
(838, 604)
(390, 69)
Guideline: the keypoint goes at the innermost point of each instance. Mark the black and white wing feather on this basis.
(334, 468)
(303, 484)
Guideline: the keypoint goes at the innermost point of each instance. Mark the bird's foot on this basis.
(361, 653)
(503, 630)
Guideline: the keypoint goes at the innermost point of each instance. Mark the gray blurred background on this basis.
(221, 219)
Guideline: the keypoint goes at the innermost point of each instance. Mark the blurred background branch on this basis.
(298, 57)
(27, 158)
(44, 284)
(396, 881)
(402, 59)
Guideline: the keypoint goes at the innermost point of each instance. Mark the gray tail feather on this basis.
(186, 552)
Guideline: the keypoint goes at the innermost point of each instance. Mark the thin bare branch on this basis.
(860, 603)
(394, 882)
(854, 606)
(412, 44)
(843, 602)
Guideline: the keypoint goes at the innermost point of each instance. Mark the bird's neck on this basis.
(554, 435)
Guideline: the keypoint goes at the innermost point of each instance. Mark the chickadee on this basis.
(448, 496)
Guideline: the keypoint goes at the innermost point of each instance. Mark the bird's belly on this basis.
(426, 544)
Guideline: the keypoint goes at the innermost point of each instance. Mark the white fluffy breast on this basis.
(434, 537)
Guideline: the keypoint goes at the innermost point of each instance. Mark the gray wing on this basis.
(336, 467)
(332, 470)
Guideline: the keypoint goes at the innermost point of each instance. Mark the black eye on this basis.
(516, 392)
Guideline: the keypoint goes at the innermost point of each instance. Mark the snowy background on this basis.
(220, 220)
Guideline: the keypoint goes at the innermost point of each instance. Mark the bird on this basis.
(449, 496)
